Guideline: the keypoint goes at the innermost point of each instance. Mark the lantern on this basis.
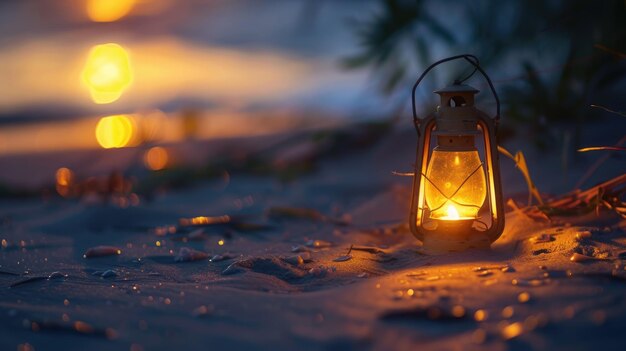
(457, 197)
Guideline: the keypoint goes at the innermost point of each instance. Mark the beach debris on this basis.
(319, 244)
(223, 257)
(321, 271)
(186, 254)
(233, 268)
(576, 257)
(57, 275)
(101, 251)
(295, 260)
(585, 234)
(372, 250)
(541, 238)
(300, 248)
(343, 258)
(109, 273)
(202, 311)
(204, 220)
(454, 313)
(299, 259)
(503, 268)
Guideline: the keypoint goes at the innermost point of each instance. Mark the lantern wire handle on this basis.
(473, 60)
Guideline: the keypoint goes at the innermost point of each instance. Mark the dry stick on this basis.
(588, 194)
(597, 165)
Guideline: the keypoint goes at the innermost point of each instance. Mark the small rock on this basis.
(56, 275)
(484, 273)
(300, 248)
(541, 238)
(321, 271)
(100, 251)
(319, 244)
(294, 260)
(109, 274)
(343, 258)
(576, 257)
(583, 235)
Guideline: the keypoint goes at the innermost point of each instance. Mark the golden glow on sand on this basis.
(107, 72)
(114, 131)
(108, 10)
(156, 158)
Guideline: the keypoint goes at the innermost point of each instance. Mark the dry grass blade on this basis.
(609, 110)
(597, 148)
(578, 202)
(520, 163)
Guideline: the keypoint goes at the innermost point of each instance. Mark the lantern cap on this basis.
(457, 88)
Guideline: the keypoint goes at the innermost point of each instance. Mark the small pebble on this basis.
(100, 251)
(576, 257)
(109, 274)
(343, 258)
(56, 275)
(541, 238)
(300, 248)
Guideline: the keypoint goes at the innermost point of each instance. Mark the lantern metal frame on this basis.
(425, 129)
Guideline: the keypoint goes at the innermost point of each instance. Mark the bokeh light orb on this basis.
(114, 131)
(108, 10)
(107, 72)
(156, 158)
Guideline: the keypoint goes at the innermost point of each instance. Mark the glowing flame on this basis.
(108, 10)
(452, 213)
(156, 158)
(107, 73)
(114, 131)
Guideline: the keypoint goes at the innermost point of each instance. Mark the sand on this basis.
(275, 277)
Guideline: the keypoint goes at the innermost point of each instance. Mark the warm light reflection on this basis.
(455, 187)
(107, 72)
(114, 131)
(64, 179)
(108, 10)
(156, 158)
